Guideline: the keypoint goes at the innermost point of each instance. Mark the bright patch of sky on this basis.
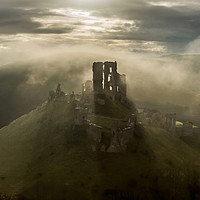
(84, 23)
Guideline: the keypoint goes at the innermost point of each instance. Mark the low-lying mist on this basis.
(167, 83)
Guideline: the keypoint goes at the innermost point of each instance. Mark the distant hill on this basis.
(42, 159)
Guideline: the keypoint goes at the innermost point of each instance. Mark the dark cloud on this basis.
(53, 30)
(156, 23)
(14, 21)
(174, 23)
(83, 4)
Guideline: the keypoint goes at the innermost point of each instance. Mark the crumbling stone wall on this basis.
(94, 132)
(87, 87)
(170, 122)
(80, 116)
(107, 80)
(57, 95)
(157, 119)
(187, 128)
(122, 86)
(110, 78)
(120, 139)
(122, 133)
(97, 77)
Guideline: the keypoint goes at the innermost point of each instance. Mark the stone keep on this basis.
(97, 77)
(106, 80)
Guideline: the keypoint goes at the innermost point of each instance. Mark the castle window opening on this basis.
(109, 77)
(103, 87)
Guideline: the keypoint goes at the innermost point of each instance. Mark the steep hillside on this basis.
(193, 141)
(41, 158)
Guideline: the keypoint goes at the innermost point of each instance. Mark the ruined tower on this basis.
(110, 78)
(107, 80)
(97, 69)
(122, 85)
(87, 87)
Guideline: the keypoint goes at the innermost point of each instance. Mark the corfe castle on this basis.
(114, 134)
(107, 80)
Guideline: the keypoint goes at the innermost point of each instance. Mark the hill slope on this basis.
(42, 159)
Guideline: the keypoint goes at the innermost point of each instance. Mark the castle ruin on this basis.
(106, 80)
(157, 119)
(116, 134)
(113, 136)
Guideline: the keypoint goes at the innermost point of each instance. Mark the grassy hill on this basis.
(193, 141)
(42, 159)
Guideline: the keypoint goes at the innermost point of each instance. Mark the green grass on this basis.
(114, 109)
(42, 159)
(193, 141)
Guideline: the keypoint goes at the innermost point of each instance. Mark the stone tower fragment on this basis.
(106, 80)
(97, 77)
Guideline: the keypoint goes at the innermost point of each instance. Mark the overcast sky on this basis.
(142, 26)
